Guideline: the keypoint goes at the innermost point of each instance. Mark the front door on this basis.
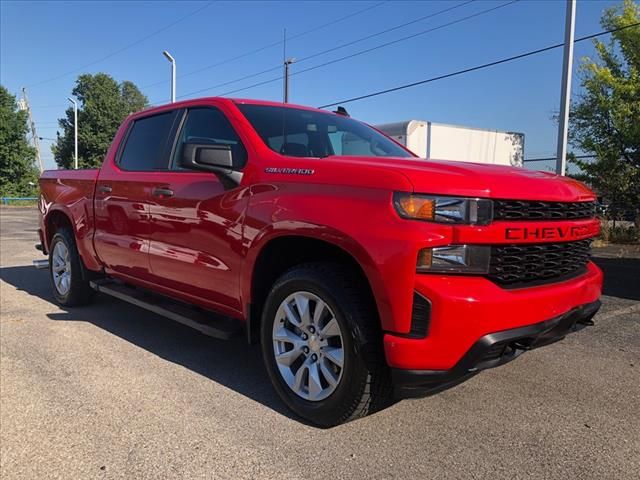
(196, 221)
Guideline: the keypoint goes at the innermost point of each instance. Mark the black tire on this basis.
(364, 386)
(79, 292)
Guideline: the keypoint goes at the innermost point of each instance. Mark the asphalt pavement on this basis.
(113, 391)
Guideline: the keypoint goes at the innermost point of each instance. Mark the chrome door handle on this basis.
(162, 192)
(105, 189)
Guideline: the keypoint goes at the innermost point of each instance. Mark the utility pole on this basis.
(287, 62)
(32, 127)
(173, 74)
(75, 132)
(565, 98)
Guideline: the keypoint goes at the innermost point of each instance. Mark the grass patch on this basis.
(20, 203)
(611, 233)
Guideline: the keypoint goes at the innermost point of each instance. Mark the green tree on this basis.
(103, 105)
(18, 172)
(605, 119)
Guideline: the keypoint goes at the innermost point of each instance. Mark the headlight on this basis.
(455, 259)
(455, 210)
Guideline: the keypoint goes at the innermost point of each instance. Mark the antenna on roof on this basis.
(342, 111)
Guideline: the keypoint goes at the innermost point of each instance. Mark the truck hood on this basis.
(477, 180)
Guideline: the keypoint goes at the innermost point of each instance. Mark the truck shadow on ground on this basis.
(621, 277)
(232, 363)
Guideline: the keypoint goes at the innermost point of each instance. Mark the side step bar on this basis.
(208, 323)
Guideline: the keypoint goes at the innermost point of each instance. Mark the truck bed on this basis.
(71, 192)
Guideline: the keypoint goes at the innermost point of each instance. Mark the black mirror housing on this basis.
(210, 157)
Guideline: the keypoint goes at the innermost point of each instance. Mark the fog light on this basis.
(424, 258)
(455, 259)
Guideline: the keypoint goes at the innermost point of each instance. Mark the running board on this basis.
(206, 322)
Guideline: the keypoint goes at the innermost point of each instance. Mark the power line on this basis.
(252, 75)
(126, 47)
(266, 47)
(382, 32)
(361, 52)
(478, 67)
(246, 77)
(358, 40)
(554, 158)
(408, 37)
(265, 82)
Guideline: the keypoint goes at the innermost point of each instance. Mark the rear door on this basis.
(197, 220)
(123, 191)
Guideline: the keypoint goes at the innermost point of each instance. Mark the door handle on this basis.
(162, 192)
(104, 189)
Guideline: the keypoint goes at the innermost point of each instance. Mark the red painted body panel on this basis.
(70, 193)
(201, 245)
(196, 238)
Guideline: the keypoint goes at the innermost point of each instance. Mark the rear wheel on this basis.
(65, 270)
(322, 347)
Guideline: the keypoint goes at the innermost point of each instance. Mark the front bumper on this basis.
(492, 350)
(465, 309)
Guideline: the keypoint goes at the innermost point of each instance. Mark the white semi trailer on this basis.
(454, 142)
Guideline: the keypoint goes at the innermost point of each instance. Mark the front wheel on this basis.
(321, 345)
(65, 270)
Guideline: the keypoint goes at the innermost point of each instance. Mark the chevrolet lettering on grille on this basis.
(551, 233)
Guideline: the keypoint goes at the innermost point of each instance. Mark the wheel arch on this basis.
(282, 250)
(55, 220)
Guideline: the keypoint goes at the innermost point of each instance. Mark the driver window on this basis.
(347, 143)
(335, 139)
(355, 145)
(209, 126)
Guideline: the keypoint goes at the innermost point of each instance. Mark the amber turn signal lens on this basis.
(424, 258)
(450, 210)
(417, 207)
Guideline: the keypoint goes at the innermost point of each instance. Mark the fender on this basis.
(387, 255)
(75, 203)
(317, 232)
(83, 233)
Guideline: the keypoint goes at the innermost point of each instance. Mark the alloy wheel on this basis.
(61, 268)
(308, 346)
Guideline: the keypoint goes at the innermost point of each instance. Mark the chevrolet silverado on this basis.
(363, 272)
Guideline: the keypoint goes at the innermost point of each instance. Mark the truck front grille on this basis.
(522, 265)
(535, 210)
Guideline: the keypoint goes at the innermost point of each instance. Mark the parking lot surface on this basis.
(113, 391)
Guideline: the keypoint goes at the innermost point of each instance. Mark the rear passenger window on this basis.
(146, 147)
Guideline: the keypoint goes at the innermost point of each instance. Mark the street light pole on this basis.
(75, 132)
(173, 74)
(565, 99)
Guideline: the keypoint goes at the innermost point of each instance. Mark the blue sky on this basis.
(43, 40)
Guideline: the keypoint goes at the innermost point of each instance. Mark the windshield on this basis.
(305, 133)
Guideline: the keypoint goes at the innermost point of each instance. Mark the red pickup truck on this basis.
(365, 273)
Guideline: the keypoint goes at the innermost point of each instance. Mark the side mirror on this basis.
(215, 158)
(212, 158)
